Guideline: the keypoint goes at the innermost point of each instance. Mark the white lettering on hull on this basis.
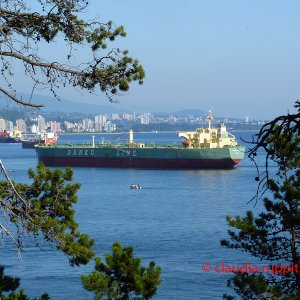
(80, 152)
(126, 153)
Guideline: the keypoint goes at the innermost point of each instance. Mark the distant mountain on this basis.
(51, 104)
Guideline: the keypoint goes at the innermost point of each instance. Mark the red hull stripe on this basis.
(148, 163)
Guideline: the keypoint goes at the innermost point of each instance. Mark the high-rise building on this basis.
(110, 127)
(21, 125)
(100, 121)
(115, 116)
(2, 125)
(145, 118)
(41, 123)
(9, 126)
(88, 125)
(54, 126)
(247, 119)
(128, 117)
(33, 128)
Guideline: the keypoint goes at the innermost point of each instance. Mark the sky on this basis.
(238, 58)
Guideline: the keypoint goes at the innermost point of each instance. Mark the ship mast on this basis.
(93, 138)
(130, 137)
(209, 118)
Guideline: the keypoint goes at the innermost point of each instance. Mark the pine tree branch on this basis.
(285, 125)
(35, 63)
(25, 203)
(19, 101)
(8, 233)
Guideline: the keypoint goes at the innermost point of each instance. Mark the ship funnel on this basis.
(130, 136)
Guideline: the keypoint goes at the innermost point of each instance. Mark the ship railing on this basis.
(149, 146)
(114, 146)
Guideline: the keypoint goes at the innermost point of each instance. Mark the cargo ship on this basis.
(10, 137)
(205, 148)
(46, 138)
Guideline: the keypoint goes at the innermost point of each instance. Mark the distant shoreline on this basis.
(127, 132)
(121, 132)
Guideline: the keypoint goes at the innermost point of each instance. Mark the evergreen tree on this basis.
(45, 208)
(122, 277)
(42, 209)
(274, 235)
(10, 284)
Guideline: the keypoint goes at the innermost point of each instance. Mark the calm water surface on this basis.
(177, 219)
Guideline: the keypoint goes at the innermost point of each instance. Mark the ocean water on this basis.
(177, 219)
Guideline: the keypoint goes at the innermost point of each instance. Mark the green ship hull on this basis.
(129, 156)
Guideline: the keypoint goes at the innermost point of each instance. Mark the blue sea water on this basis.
(177, 219)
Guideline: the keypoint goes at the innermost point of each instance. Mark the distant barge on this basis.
(205, 148)
(10, 137)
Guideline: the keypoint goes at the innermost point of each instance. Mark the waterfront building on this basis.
(145, 118)
(115, 117)
(54, 126)
(100, 121)
(33, 128)
(9, 126)
(2, 124)
(41, 123)
(109, 126)
(21, 125)
(128, 117)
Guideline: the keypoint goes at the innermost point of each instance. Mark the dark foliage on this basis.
(274, 235)
(45, 208)
(122, 277)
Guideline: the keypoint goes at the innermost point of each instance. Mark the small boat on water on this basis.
(135, 186)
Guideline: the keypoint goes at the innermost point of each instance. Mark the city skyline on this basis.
(114, 122)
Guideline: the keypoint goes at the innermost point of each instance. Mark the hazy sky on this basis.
(240, 58)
